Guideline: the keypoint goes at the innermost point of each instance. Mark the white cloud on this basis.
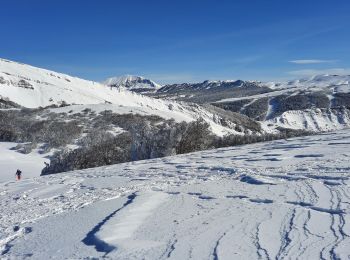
(312, 72)
(311, 61)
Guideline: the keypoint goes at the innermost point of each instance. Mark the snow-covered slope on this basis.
(287, 199)
(134, 83)
(11, 160)
(311, 120)
(318, 103)
(32, 87)
(340, 83)
(328, 83)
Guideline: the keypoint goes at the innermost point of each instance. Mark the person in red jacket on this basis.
(18, 175)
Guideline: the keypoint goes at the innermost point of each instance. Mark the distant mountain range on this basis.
(316, 103)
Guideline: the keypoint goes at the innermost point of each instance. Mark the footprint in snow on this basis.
(28, 230)
(173, 192)
(272, 154)
(264, 201)
(331, 183)
(139, 179)
(327, 177)
(315, 208)
(194, 193)
(308, 155)
(25, 230)
(205, 197)
(299, 203)
(339, 143)
(157, 189)
(251, 180)
(236, 197)
(15, 228)
(182, 166)
(224, 170)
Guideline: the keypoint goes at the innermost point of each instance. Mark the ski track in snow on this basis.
(286, 199)
(92, 239)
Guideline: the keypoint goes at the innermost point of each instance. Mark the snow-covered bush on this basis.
(341, 99)
(301, 101)
(24, 126)
(110, 150)
(196, 136)
(142, 139)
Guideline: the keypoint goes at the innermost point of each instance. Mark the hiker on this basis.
(18, 175)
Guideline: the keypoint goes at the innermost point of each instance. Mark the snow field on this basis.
(10, 160)
(284, 199)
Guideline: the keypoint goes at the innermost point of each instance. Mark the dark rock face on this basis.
(3, 81)
(255, 109)
(341, 99)
(5, 104)
(142, 90)
(210, 91)
(285, 103)
(131, 84)
(24, 84)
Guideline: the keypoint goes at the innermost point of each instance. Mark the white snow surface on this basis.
(308, 119)
(315, 120)
(340, 83)
(330, 83)
(286, 199)
(48, 87)
(10, 160)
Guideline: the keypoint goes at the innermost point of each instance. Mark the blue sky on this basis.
(179, 41)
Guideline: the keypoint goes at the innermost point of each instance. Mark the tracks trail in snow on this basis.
(218, 204)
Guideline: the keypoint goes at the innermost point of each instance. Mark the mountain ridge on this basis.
(33, 87)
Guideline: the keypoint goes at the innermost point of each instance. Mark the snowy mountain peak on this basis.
(132, 82)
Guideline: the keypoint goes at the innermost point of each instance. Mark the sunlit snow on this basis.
(283, 199)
